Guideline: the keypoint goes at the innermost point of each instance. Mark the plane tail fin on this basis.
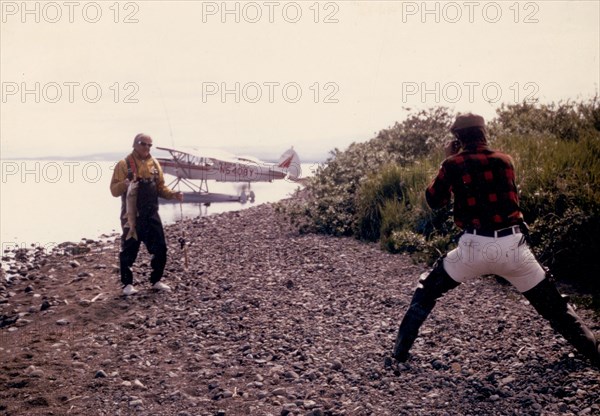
(290, 161)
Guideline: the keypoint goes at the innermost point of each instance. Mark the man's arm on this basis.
(438, 192)
(163, 190)
(118, 183)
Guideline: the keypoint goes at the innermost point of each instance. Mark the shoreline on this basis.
(265, 321)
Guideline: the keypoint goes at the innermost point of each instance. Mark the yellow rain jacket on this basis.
(146, 169)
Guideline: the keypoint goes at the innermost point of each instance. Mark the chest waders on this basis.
(544, 297)
(149, 230)
(549, 303)
(431, 287)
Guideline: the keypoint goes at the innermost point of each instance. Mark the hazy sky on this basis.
(83, 77)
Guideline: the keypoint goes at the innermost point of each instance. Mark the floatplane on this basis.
(194, 167)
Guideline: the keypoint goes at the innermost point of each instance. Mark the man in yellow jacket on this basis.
(140, 167)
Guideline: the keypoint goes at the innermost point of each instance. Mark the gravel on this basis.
(264, 321)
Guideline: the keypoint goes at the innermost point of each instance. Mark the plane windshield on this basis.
(199, 161)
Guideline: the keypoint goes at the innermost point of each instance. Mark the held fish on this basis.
(131, 205)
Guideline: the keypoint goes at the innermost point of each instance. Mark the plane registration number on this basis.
(236, 170)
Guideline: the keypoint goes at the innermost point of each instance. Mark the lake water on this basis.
(44, 203)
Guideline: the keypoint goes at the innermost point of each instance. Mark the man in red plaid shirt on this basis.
(486, 207)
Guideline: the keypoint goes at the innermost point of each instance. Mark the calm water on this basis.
(44, 203)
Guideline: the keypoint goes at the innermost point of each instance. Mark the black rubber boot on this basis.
(430, 288)
(562, 317)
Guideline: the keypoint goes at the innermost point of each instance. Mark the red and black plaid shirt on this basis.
(483, 184)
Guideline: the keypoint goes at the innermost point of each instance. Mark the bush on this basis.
(392, 208)
(568, 120)
(329, 206)
(330, 203)
(381, 190)
(421, 250)
(559, 184)
(375, 190)
(419, 135)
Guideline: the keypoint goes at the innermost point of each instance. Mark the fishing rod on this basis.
(181, 239)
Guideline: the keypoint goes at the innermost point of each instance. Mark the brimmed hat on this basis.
(464, 121)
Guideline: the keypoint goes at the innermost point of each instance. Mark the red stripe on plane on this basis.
(286, 163)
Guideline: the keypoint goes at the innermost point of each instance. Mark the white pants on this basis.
(477, 255)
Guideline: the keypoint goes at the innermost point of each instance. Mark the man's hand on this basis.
(179, 196)
(451, 148)
(127, 181)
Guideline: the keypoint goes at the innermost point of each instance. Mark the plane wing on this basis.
(213, 164)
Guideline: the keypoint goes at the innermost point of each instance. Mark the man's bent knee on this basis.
(438, 280)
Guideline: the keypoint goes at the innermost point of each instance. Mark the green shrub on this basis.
(568, 120)
(375, 190)
(421, 249)
(329, 205)
(559, 185)
(419, 135)
(405, 241)
(392, 208)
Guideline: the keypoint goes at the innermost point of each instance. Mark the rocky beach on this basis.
(265, 321)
